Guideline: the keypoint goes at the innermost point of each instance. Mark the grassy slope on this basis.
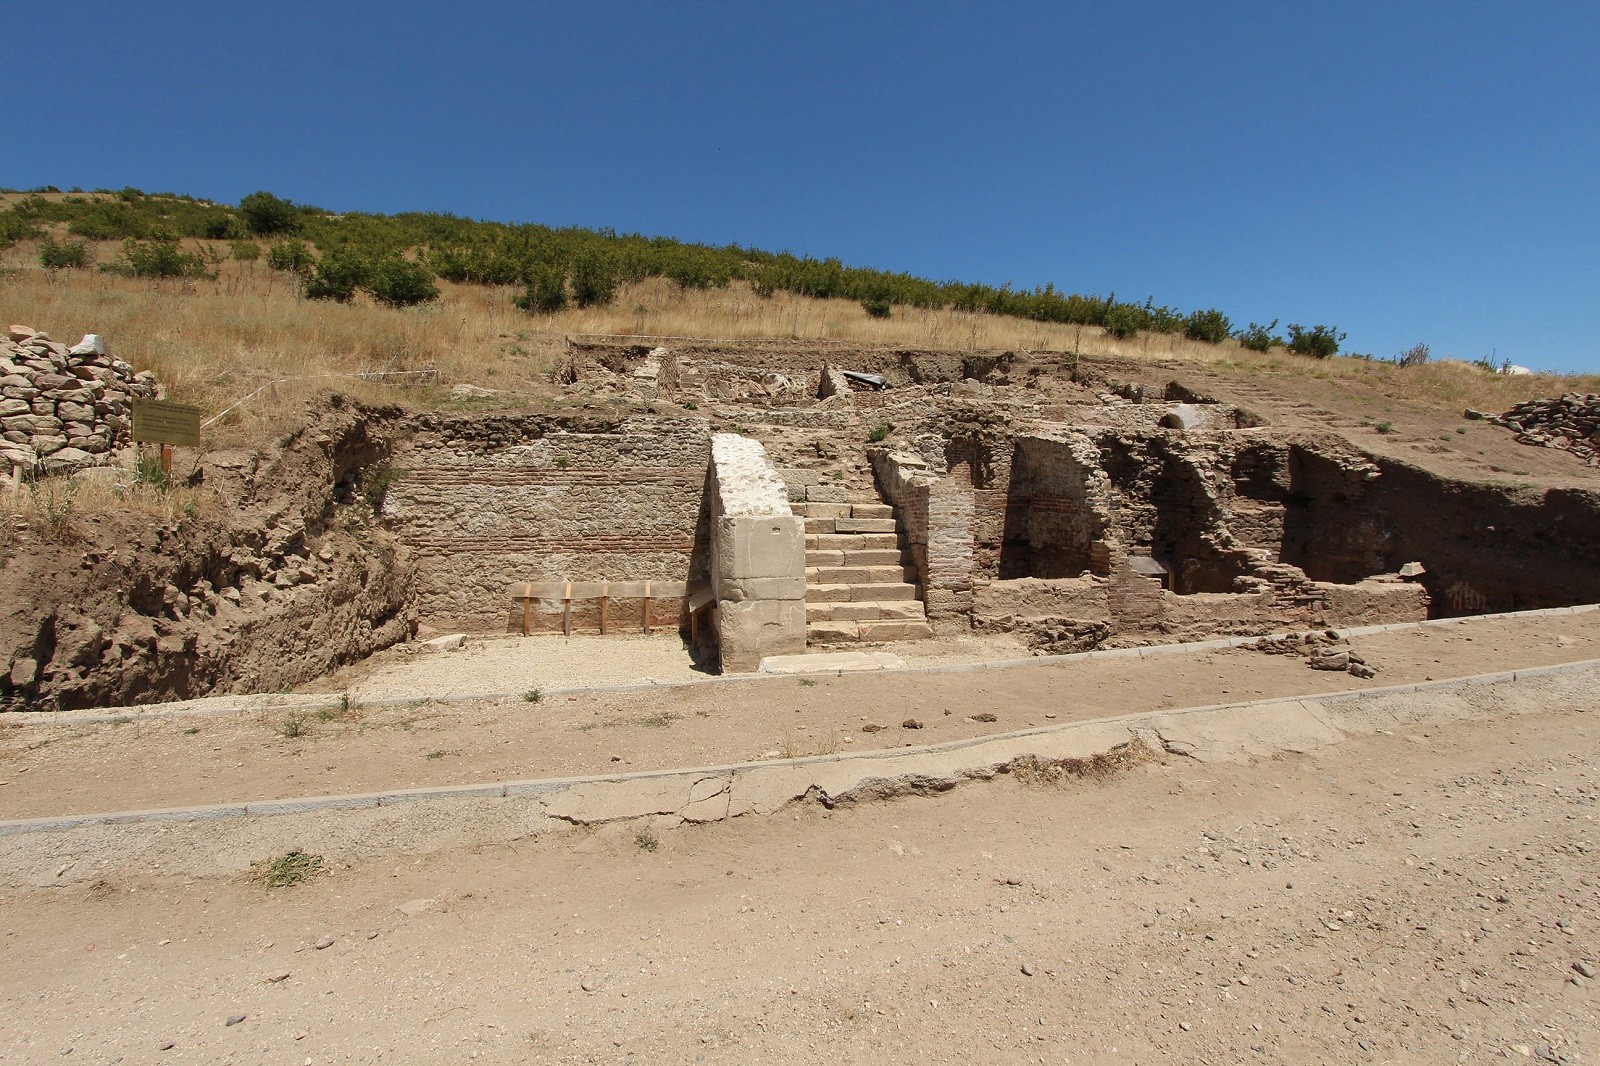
(213, 342)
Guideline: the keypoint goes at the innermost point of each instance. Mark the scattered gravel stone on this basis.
(278, 978)
(323, 944)
(1584, 968)
(1027, 969)
(910, 723)
(167, 1045)
(589, 986)
(234, 1019)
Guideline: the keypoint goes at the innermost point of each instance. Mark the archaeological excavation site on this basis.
(746, 503)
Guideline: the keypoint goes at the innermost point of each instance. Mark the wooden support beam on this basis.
(566, 611)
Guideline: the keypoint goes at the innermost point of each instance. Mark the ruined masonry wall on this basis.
(937, 515)
(484, 503)
(1058, 507)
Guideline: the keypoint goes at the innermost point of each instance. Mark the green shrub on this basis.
(59, 255)
(265, 214)
(337, 276)
(14, 227)
(879, 432)
(1124, 320)
(396, 281)
(1259, 338)
(1319, 342)
(246, 251)
(877, 307)
(546, 291)
(594, 281)
(1210, 326)
(213, 226)
(158, 257)
(291, 257)
(106, 220)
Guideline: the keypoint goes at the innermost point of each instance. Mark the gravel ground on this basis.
(1426, 895)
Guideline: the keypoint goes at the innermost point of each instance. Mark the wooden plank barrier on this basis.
(528, 593)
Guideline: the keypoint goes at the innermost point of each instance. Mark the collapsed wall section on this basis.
(758, 559)
(1058, 507)
(483, 503)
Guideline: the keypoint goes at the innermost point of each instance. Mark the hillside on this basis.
(227, 324)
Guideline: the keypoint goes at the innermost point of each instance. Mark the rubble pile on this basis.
(63, 408)
(1322, 650)
(1570, 422)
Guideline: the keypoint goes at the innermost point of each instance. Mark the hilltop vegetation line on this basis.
(397, 258)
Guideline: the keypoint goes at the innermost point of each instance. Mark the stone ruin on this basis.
(1570, 422)
(764, 497)
(941, 491)
(61, 408)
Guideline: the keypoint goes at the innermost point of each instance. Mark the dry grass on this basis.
(1041, 772)
(58, 508)
(213, 342)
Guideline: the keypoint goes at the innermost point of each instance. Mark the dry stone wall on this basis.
(63, 408)
(1570, 422)
(483, 503)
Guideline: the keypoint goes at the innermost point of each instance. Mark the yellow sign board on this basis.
(162, 422)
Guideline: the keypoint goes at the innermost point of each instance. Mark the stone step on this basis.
(866, 632)
(862, 525)
(815, 509)
(859, 575)
(870, 510)
(867, 610)
(845, 593)
(820, 557)
(851, 541)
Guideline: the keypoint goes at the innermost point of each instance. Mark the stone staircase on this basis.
(859, 581)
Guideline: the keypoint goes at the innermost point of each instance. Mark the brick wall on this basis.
(487, 502)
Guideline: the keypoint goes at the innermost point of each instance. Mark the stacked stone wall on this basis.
(63, 408)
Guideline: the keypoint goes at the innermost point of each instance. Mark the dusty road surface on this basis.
(1427, 895)
(48, 769)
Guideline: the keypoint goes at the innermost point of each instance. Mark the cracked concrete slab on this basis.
(1238, 734)
(224, 840)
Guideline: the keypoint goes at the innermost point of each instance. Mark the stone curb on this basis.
(123, 715)
(903, 761)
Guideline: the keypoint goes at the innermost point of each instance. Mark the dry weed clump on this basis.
(287, 870)
(1040, 772)
(55, 508)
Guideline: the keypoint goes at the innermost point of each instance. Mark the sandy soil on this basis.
(161, 762)
(508, 664)
(1417, 897)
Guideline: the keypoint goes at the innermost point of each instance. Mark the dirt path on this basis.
(50, 769)
(1419, 897)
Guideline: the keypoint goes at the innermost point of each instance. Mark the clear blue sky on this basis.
(1408, 172)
